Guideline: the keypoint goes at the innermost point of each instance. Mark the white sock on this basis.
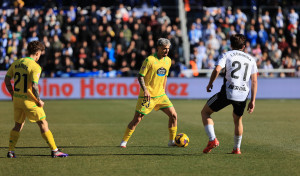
(237, 142)
(55, 150)
(123, 143)
(210, 131)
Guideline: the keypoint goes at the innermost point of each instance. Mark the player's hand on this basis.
(251, 106)
(41, 103)
(209, 87)
(147, 95)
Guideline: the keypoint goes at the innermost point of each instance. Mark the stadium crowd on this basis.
(113, 41)
(273, 41)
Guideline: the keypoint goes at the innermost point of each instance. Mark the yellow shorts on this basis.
(26, 108)
(145, 107)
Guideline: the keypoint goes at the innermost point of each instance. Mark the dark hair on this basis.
(34, 47)
(238, 41)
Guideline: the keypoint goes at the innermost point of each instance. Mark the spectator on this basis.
(111, 52)
(293, 18)
(72, 13)
(240, 15)
(266, 20)
(283, 45)
(124, 69)
(33, 37)
(164, 19)
(56, 44)
(279, 19)
(69, 66)
(268, 66)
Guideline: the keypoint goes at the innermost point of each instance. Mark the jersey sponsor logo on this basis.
(233, 87)
(161, 71)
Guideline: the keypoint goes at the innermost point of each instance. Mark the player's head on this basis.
(238, 41)
(35, 49)
(163, 47)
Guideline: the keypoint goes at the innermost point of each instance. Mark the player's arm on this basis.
(251, 104)
(143, 86)
(35, 91)
(9, 86)
(165, 82)
(213, 77)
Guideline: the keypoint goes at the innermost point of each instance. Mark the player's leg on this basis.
(238, 132)
(238, 110)
(171, 113)
(48, 136)
(208, 122)
(131, 127)
(209, 128)
(13, 139)
(19, 117)
(143, 107)
(214, 104)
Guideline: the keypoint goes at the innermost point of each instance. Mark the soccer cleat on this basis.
(171, 143)
(236, 151)
(11, 155)
(211, 144)
(123, 144)
(58, 153)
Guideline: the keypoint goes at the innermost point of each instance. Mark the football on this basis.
(182, 140)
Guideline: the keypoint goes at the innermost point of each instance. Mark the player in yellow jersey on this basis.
(26, 99)
(153, 78)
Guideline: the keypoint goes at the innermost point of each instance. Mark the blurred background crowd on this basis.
(111, 39)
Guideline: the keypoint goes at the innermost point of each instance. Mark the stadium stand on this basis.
(111, 39)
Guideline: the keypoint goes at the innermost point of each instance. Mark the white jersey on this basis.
(239, 66)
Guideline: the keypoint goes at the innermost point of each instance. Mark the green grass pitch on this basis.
(91, 130)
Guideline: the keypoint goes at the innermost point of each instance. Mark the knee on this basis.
(173, 117)
(237, 121)
(18, 127)
(138, 119)
(204, 113)
(43, 124)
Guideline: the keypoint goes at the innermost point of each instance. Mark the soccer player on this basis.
(239, 68)
(26, 99)
(153, 78)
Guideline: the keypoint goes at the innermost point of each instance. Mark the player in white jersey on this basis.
(239, 68)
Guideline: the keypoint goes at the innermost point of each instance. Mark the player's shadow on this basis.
(23, 147)
(135, 154)
(64, 147)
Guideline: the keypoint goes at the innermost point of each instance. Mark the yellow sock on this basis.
(13, 139)
(172, 133)
(49, 139)
(127, 134)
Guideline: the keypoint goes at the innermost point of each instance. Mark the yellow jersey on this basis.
(154, 71)
(25, 71)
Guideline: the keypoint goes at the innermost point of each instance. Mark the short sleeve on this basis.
(169, 66)
(36, 72)
(145, 67)
(222, 60)
(9, 72)
(254, 68)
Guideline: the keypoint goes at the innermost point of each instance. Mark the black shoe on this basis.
(58, 153)
(11, 155)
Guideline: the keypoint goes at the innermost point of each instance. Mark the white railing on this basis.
(189, 72)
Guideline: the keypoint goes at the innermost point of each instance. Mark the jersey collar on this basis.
(29, 58)
(155, 55)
